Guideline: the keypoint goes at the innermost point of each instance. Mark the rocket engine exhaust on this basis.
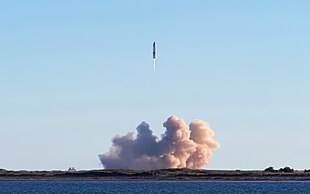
(181, 146)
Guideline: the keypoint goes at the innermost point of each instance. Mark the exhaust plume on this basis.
(181, 146)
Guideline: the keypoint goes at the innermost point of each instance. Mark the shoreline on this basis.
(163, 175)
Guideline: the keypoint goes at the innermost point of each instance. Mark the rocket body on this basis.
(154, 50)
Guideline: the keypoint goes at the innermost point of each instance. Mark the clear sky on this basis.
(75, 73)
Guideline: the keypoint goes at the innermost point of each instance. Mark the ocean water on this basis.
(151, 187)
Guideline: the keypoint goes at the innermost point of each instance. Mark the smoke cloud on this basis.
(181, 146)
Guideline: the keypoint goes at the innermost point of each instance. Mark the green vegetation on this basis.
(285, 169)
(306, 170)
(159, 172)
(183, 174)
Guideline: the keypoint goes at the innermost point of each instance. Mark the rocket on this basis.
(154, 50)
(154, 55)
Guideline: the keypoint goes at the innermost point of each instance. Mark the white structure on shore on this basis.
(71, 169)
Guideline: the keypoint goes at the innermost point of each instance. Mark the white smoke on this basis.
(181, 146)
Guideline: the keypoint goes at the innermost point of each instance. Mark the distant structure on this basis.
(71, 169)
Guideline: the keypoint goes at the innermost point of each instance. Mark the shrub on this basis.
(270, 169)
(286, 169)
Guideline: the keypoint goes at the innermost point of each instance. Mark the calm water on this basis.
(152, 187)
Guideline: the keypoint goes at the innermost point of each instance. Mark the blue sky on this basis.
(75, 73)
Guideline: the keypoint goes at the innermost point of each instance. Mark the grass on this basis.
(159, 172)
